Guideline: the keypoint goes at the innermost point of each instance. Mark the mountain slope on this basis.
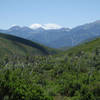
(12, 45)
(78, 35)
(88, 47)
(74, 75)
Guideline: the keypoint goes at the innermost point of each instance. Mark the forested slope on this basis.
(12, 45)
(71, 75)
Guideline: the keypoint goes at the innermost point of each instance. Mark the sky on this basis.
(48, 13)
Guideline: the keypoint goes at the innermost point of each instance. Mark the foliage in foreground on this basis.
(75, 77)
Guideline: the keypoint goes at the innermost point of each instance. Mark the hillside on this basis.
(85, 47)
(90, 46)
(12, 45)
(71, 75)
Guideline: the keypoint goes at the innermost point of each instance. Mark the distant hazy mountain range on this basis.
(57, 38)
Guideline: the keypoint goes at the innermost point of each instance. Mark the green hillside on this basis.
(70, 75)
(12, 45)
(88, 47)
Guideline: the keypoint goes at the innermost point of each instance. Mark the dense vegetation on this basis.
(72, 75)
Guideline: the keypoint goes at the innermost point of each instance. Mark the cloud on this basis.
(51, 26)
(13, 25)
(45, 26)
(35, 26)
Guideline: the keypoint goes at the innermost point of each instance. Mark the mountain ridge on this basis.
(57, 38)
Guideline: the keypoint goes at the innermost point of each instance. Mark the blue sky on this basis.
(68, 13)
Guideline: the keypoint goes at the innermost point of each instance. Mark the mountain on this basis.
(12, 45)
(78, 35)
(58, 38)
(39, 35)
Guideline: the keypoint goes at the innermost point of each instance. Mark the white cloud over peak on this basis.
(35, 26)
(45, 26)
(13, 25)
(52, 26)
